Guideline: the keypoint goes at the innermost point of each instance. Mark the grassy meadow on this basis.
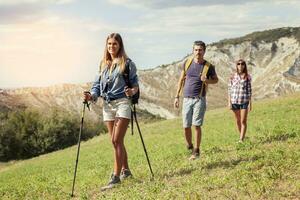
(265, 166)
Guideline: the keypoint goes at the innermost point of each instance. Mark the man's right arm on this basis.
(179, 89)
(180, 84)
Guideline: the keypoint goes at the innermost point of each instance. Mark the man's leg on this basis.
(198, 136)
(188, 137)
(187, 113)
(198, 117)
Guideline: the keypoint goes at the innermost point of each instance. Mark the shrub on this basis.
(26, 133)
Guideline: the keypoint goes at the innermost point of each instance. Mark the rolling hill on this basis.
(265, 166)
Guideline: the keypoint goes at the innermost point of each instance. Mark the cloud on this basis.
(167, 34)
(37, 38)
(162, 4)
(24, 11)
(20, 13)
(22, 2)
(50, 50)
(217, 21)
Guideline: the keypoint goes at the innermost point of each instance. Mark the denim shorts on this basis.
(117, 108)
(239, 106)
(193, 111)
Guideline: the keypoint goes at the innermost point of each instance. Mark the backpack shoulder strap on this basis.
(126, 72)
(127, 63)
(188, 63)
(206, 68)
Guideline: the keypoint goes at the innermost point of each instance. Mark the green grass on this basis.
(266, 166)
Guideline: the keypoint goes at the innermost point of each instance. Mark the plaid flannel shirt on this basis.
(239, 89)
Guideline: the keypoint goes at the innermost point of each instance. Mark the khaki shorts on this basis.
(193, 111)
(117, 108)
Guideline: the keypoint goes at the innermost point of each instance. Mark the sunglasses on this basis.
(241, 63)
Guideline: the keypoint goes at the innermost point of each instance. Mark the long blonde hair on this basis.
(107, 60)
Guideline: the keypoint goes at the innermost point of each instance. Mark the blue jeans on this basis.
(193, 110)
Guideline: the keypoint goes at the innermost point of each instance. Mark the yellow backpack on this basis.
(188, 63)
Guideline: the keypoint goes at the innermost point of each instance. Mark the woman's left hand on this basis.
(229, 106)
(129, 91)
(250, 107)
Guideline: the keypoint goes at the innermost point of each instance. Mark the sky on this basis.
(47, 42)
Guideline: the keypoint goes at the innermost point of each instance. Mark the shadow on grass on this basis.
(214, 150)
(180, 172)
(230, 163)
(279, 136)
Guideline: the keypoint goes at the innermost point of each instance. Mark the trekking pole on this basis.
(145, 150)
(85, 103)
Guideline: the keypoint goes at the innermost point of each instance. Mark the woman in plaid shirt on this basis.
(239, 96)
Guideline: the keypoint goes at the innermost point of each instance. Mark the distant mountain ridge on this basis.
(273, 58)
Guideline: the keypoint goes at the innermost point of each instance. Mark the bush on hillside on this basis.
(28, 133)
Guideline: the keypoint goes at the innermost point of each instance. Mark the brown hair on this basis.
(245, 70)
(200, 43)
(107, 60)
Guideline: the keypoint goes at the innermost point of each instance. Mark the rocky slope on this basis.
(67, 97)
(273, 59)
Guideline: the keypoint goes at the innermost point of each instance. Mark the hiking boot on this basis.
(114, 180)
(195, 155)
(125, 173)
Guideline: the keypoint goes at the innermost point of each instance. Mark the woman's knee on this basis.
(244, 122)
(116, 142)
(113, 142)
